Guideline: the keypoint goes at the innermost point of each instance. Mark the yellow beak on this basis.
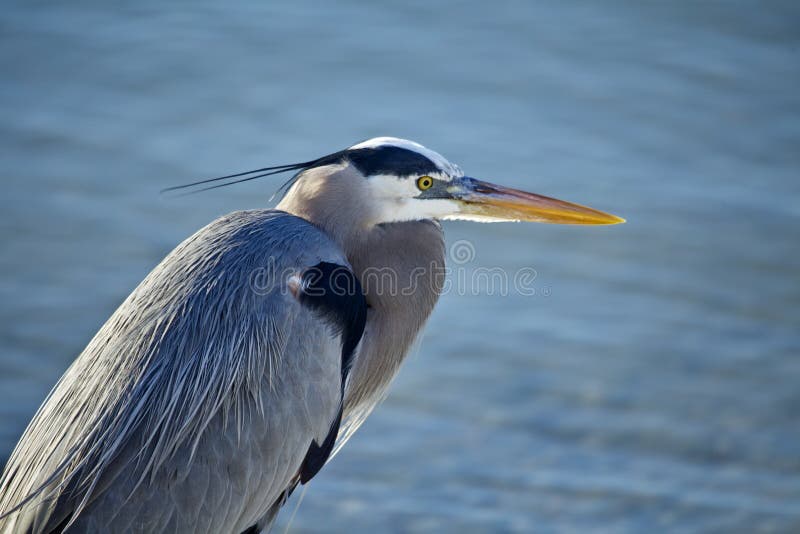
(490, 202)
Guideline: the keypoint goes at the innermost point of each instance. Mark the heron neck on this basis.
(400, 267)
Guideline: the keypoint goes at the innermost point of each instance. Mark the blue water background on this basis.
(651, 383)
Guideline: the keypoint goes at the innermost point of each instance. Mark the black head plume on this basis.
(199, 186)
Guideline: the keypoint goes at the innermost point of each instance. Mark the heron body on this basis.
(252, 352)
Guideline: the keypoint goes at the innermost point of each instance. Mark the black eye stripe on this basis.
(390, 160)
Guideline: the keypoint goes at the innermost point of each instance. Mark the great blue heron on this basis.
(254, 350)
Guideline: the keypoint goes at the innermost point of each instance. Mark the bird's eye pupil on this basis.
(424, 182)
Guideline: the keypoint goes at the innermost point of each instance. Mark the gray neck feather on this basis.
(400, 266)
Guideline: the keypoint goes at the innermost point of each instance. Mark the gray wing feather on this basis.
(192, 407)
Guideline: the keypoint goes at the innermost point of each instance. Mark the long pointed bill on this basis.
(489, 202)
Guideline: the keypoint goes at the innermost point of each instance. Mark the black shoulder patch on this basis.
(332, 291)
(389, 159)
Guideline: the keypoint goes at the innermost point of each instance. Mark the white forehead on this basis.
(439, 160)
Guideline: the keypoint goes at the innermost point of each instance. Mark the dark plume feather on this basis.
(256, 173)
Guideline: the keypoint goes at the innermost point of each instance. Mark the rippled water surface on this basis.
(651, 383)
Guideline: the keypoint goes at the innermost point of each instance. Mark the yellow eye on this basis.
(424, 182)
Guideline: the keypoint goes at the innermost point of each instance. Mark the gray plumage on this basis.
(219, 384)
(194, 405)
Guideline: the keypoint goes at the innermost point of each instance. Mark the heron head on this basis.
(405, 181)
(387, 179)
